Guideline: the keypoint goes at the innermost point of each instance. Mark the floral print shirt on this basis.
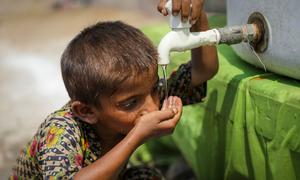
(64, 144)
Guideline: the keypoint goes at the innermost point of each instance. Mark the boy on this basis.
(110, 73)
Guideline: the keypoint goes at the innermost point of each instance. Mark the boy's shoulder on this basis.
(62, 137)
(63, 130)
(60, 121)
(64, 124)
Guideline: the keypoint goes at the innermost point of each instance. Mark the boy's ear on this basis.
(84, 112)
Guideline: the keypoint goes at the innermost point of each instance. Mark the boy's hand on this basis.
(183, 6)
(159, 123)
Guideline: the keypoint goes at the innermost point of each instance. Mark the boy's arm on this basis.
(204, 59)
(111, 164)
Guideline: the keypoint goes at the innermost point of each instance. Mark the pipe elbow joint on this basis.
(164, 49)
(172, 41)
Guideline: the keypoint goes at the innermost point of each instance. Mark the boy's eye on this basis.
(129, 104)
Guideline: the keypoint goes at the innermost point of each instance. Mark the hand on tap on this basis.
(204, 59)
(189, 9)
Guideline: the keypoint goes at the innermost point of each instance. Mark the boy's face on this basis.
(136, 96)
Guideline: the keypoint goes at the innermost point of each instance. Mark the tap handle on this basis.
(175, 21)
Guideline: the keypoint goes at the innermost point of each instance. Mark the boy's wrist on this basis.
(136, 136)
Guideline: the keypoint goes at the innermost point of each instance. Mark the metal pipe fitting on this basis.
(237, 34)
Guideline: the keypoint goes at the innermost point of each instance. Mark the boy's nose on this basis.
(152, 103)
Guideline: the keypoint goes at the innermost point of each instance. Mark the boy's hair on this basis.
(101, 57)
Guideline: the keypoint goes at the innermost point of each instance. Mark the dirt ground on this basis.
(32, 38)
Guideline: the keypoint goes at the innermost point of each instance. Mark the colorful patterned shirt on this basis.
(64, 144)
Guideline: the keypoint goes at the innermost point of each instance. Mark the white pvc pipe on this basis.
(182, 40)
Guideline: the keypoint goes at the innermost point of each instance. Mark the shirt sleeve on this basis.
(179, 84)
(60, 155)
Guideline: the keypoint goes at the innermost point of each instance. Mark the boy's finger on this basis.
(165, 105)
(185, 10)
(161, 7)
(174, 101)
(176, 5)
(178, 105)
(162, 115)
(170, 101)
(166, 114)
(196, 11)
(169, 124)
(177, 102)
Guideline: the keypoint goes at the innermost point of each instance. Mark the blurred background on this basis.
(33, 34)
